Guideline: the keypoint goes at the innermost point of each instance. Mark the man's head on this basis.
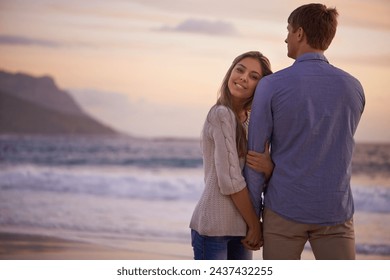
(312, 24)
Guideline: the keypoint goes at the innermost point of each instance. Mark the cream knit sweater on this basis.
(215, 213)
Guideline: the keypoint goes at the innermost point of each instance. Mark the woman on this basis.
(224, 224)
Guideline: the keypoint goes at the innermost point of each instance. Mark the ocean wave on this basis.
(372, 199)
(369, 159)
(159, 184)
(373, 249)
(149, 184)
(76, 151)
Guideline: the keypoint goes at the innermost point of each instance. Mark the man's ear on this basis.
(300, 34)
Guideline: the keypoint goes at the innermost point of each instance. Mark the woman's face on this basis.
(244, 78)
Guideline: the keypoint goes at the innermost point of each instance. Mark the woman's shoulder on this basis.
(221, 113)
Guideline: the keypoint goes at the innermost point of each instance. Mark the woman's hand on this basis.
(254, 238)
(261, 162)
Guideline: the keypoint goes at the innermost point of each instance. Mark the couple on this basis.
(306, 115)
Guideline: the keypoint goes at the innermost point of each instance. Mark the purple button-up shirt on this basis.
(309, 112)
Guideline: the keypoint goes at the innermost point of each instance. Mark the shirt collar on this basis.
(311, 56)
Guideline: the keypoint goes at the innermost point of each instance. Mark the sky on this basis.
(153, 68)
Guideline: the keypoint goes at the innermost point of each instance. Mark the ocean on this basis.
(115, 190)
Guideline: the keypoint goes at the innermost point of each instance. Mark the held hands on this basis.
(254, 238)
(261, 162)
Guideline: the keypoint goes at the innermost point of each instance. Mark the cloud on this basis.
(219, 28)
(25, 41)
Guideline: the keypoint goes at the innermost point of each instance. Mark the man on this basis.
(309, 113)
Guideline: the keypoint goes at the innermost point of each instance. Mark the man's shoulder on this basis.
(277, 78)
(281, 74)
(342, 72)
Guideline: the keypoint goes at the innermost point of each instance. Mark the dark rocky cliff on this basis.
(35, 105)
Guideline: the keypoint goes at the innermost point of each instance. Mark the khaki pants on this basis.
(285, 239)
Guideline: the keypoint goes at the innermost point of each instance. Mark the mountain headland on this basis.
(36, 105)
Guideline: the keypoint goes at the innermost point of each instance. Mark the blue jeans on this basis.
(219, 247)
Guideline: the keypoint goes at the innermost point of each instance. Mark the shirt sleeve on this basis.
(259, 132)
(229, 173)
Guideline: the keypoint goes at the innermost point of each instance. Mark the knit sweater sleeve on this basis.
(227, 164)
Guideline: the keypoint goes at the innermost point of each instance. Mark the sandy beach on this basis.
(15, 246)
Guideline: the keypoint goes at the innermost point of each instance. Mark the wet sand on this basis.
(16, 246)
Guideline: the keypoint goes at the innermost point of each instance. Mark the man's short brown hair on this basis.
(317, 21)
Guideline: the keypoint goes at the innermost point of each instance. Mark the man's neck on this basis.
(307, 49)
